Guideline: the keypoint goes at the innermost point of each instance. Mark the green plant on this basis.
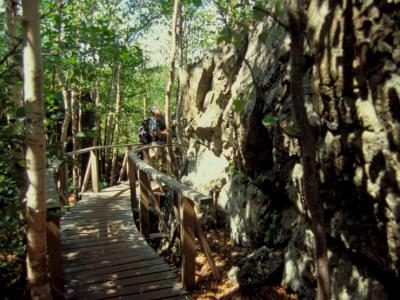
(12, 237)
(242, 177)
(272, 220)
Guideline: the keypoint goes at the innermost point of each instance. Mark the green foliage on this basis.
(12, 238)
(239, 105)
(270, 120)
(242, 177)
(272, 219)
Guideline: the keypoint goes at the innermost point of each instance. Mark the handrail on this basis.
(186, 216)
(86, 150)
(177, 186)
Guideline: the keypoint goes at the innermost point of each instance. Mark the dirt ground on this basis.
(226, 255)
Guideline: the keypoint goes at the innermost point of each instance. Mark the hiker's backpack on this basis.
(143, 132)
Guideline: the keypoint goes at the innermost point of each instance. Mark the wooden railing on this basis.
(138, 171)
(185, 213)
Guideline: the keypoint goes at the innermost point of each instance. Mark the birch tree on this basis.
(35, 154)
(116, 123)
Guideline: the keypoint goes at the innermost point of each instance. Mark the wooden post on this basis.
(63, 177)
(146, 157)
(55, 255)
(144, 205)
(123, 167)
(95, 172)
(188, 243)
(87, 175)
(132, 182)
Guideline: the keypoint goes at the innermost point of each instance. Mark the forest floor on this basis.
(226, 256)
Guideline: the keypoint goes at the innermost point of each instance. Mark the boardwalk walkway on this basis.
(104, 256)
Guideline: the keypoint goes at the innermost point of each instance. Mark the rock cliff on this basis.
(253, 169)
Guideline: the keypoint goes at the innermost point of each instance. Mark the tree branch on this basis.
(11, 52)
(273, 16)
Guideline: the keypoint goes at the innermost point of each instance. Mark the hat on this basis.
(154, 108)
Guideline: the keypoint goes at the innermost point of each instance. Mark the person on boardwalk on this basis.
(157, 130)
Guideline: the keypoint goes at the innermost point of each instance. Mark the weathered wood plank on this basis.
(103, 252)
(120, 282)
(74, 282)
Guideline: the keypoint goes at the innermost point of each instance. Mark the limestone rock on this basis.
(257, 268)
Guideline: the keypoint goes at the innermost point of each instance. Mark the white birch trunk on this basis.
(116, 122)
(36, 209)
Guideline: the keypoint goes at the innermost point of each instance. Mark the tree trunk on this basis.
(116, 122)
(179, 94)
(175, 20)
(12, 40)
(96, 140)
(36, 208)
(75, 146)
(144, 107)
(308, 148)
(109, 126)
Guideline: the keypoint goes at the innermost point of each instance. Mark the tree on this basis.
(35, 154)
(13, 43)
(175, 20)
(308, 147)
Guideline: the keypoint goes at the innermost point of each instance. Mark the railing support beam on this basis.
(144, 205)
(95, 171)
(188, 243)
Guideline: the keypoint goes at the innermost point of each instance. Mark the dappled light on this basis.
(199, 149)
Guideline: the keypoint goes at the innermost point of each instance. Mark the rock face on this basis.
(256, 268)
(352, 92)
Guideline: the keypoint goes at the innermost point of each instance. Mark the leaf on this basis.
(269, 120)
(197, 3)
(20, 113)
(258, 14)
(237, 39)
(239, 105)
(292, 129)
(225, 35)
(80, 134)
(22, 163)
(263, 37)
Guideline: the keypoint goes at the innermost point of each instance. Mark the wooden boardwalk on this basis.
(104, 256)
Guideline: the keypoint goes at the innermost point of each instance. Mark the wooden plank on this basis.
(104, 252)
(118, 282)
(88, 280)
(82, 273)
(139, 291)
(144, 206)
(77, 239)
(188, 243)
(160, 294)
(108, 257)
(135, 261)
(104, 245)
